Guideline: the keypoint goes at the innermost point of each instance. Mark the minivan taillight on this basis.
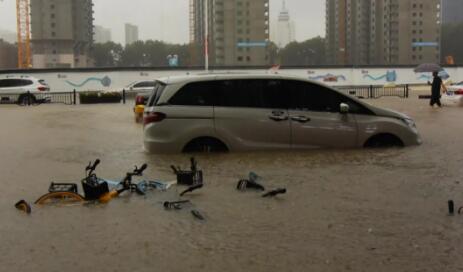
(153, 117)
(42, 89)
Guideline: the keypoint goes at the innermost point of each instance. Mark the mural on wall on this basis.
(428, 77)
(329, 78)
(390, 76)
(105, 82)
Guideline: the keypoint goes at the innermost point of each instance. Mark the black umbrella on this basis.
(428, 67)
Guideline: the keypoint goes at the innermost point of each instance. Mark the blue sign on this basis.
(425, 44)
(173, 60)
(252, 44)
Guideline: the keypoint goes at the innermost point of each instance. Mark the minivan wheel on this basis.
(205, 145)
(384, 141)
(26, 99)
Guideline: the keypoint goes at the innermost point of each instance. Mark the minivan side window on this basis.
(306, 96)
(250, 93)
(195, 94)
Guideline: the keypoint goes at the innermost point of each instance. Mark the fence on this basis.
(27, 99)
(72, 98)
(374, 92)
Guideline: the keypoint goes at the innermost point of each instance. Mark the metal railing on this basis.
(374, 92)
(28, 98)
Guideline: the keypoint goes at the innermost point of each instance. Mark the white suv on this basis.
(16, 89)
(261, 112)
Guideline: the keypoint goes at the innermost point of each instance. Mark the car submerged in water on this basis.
(230, 112)
(23, 90)
(453, 96)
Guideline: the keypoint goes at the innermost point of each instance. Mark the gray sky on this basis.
(168, 19)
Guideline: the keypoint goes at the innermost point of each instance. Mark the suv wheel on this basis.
(205, 145)
(384, 141)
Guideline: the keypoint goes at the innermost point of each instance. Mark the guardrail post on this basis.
(123, 96)
(370, 91)
(74, 94)
(407, 90)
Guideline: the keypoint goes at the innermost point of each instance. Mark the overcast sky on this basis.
(168, 19)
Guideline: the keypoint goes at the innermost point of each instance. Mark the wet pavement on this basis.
(345, 210)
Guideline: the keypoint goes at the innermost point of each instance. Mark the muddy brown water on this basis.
(345, 210)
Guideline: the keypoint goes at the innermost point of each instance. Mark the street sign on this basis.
(252, 44)
(425, 44)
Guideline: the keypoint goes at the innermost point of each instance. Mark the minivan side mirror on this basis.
(343, 108)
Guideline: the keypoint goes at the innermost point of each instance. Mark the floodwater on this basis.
(345, 210)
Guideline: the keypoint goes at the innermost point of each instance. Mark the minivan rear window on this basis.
(157, 92)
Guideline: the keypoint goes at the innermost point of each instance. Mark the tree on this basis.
(107, 54)
(309, 52)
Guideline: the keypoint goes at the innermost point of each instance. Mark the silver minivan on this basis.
(244, 112)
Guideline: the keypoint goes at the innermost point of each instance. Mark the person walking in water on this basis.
(435, 89)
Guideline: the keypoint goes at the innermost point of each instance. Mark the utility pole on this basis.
(206, 38)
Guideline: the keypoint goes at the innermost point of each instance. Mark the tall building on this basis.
(238, 30)
(62, 33)
(285, 30)
(131, 34)
(452, 11)
(101, 34)
(382, 32)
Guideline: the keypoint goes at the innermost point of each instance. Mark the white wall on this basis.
(115, 80)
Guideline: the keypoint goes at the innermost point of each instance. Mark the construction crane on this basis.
(24, 34)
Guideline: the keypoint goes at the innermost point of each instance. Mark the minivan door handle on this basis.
(278, 118)
(300, 119)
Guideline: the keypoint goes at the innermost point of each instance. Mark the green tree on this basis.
(107, 54)
(309, 52)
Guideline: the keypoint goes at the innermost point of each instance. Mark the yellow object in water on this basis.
(108, 196)
(139, 109)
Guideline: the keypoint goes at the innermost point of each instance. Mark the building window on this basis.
(240, 58)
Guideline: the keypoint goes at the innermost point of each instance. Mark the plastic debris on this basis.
(275, 192)
(177, 205)
(197, 215)
(451, 207)
(192, 188)
(22, 205)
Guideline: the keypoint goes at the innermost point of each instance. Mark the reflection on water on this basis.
(359, 210)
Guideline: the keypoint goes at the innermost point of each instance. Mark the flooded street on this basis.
(345, 210)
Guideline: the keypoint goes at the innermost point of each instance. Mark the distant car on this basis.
(223, 112)
(140, 86)
(454, 95)
(15, 89)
